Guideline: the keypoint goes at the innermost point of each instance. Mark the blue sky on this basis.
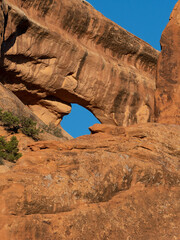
(144, 18)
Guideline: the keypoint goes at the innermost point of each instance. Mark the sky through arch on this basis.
(78, 121)
(146, 20)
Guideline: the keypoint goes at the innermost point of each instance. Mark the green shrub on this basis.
(52, 129)
(28, 127)
(1, 161)
(13, 123)
(9, 149)
(10, 121)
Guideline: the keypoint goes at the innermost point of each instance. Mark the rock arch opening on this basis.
(77, 122)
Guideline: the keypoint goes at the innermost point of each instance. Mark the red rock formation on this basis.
(117, 183)
(9, 102)
(61, 52)
(168, 72)
(101, 186)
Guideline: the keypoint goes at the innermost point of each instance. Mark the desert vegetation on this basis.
(26, 125)
(52, 129)
(13, 123)
(9, 149)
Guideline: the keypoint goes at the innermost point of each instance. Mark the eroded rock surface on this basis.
(59, 52)
(9, 102)
(103, 186)
(168, 72)
(119, 182)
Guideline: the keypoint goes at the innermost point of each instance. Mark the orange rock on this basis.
(100, 186)
(168, 72)
(118, 182)
(65, 51)
(9, 102)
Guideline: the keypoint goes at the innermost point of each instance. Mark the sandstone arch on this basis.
(77, 56)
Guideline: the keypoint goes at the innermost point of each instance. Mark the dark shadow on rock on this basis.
(21, 28)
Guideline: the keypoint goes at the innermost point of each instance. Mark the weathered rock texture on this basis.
(119, 182)
(168, 72)
(116, 184)
(9, 102)
(59, 52)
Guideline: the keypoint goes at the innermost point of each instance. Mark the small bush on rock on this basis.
(10, 121)
(28, 127)
(9, 149)
(13, 123)
(52, 129)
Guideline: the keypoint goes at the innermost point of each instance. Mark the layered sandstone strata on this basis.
(168, 72)
(59, 52)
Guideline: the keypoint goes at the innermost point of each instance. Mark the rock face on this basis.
(103, 186)
(168, 72)
(121, 182)
(9, 102)
(59, 52)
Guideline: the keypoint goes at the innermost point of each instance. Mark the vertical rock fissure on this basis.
(82, 62)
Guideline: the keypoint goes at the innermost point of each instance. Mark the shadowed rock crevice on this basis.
(82, 62)
(19, 58)
(21, 28)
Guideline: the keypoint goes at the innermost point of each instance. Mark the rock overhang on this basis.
(78, 56)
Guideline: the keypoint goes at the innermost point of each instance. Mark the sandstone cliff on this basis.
(120, 182)
(168, 72)
(59, 52)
